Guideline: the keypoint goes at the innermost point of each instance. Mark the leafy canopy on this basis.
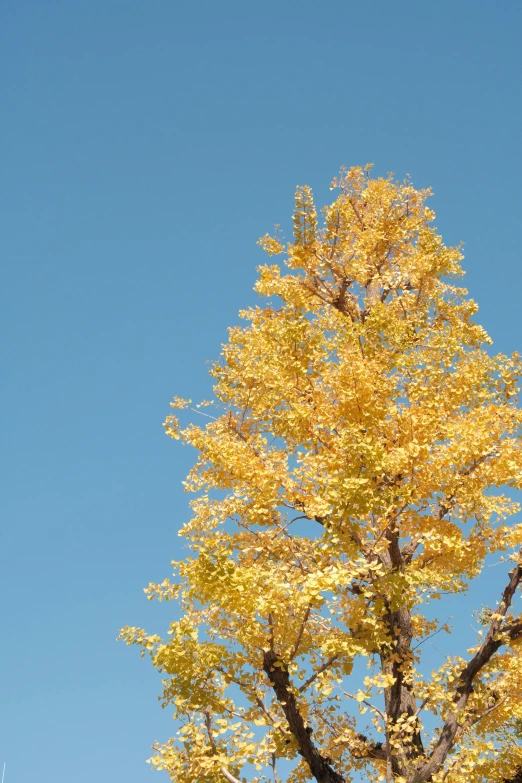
(346, 479)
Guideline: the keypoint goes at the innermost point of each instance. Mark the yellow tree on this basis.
(349, 474)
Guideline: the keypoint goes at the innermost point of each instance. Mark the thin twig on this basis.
(224, 771)
(442, 628)
(490, 710)
(440, 651)
(207, 415)
(368, 704)
(301, 631)
(319, 671)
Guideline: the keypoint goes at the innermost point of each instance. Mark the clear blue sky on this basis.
(146, 145)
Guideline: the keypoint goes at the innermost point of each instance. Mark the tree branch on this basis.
(249, 690)
(224, 771)
(369, 749)
(495, 638)
(300, 633)
(316, 674)
(367, 704)
(357, 213)
(277, 673)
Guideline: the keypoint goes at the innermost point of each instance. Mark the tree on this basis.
(348, 476)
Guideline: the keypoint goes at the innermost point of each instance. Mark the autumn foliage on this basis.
(350, 472)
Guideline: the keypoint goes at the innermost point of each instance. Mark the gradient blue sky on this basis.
(146, 145)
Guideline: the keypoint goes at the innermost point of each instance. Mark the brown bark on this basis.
(396, 660)
(320, 766)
